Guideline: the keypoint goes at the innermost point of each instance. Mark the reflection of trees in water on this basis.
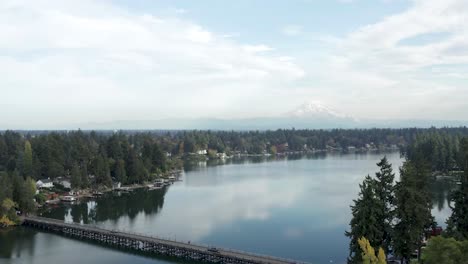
(20, 239)
(440, 190)
(193, 165)
(112, 206)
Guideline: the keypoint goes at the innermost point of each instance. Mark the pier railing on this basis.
(238, 254)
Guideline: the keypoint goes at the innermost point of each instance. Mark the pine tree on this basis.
(26, 199)
(364, 223)
(27, 160)
(102, 171)
(120, 173)
(457, 224)
(84, 175)
(76, 177)
(384, 189)
(413, 208)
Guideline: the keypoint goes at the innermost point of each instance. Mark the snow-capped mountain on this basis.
(317, 110)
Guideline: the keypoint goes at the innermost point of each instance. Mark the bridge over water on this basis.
(151, 244)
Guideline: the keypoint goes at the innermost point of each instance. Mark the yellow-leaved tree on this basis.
(368, 253)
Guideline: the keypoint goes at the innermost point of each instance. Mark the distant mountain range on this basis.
(311, 115)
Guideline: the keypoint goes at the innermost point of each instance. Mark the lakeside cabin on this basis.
(44, 184)
(65, 182)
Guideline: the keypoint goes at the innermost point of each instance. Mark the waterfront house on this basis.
(65, 182)
(44, 184)
(116, 185)
(202, 152)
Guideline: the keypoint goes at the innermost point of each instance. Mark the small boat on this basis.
(54, 201)
(67, 198)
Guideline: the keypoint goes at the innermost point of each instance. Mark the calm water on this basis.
(293, 208)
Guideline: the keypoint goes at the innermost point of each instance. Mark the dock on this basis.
(150, 244)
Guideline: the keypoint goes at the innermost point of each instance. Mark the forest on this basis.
(395, 216)
(99, 158)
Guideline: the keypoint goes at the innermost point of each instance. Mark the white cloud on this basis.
(67, 62)
(372, 67)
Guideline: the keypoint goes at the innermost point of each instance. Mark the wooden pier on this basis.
(149, 244)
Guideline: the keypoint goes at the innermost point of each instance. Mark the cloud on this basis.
(93, 61)
(374, 66)
(69, 62)
(292, 30)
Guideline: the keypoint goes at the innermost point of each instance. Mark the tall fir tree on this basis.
(76, 177)
(413, 208)
(120, 173)
(457, 224)
(84, 175)
(384, 189)
(102, 171)
(364, 223)
(27, 160)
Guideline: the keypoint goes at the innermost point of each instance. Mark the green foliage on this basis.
(40, 198)
(15, 192)
(373, 211)
(84, 176)
(27, 160)
(102, 171)
(384, 189)
(445, 250)
(119, 171)
(413, 208)
(440, 148)
(76, 177)
(457, 224)
(364, 222)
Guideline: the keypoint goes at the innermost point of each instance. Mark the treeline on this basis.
(257, 142)
(135, 157)
(16, 193)
(440, 148)
(127, 159)
(397, 216)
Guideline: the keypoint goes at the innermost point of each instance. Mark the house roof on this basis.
(45, 180)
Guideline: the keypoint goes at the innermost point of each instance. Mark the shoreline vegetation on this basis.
(41, 166)
(395, 217)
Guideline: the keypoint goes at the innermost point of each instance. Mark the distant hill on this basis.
(310, 115)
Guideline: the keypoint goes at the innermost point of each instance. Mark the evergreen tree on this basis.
(120, 173)
(132, 166)
(102, 171)
(364, 223)
(457, 224)
(413, 208)
(84, 176)
(26, 199)
(27, 160)
(76, 177)
(384, 189)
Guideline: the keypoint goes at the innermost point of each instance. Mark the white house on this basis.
(116, 185)
(44, 183)
(202, 152)
(65, 182)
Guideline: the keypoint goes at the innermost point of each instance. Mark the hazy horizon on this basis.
(68, 63)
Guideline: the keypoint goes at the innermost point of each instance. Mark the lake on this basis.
(295, 207)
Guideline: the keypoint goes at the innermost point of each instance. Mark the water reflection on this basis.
(295, 206)
(111, 207)
(16, 241)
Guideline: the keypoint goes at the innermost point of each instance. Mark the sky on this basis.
(66, 62)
